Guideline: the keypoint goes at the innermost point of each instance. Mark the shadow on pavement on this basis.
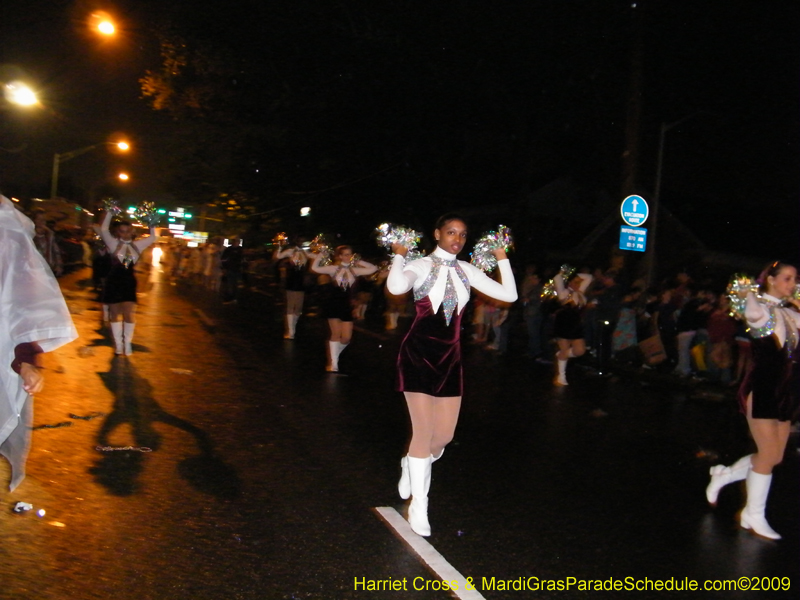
(134, 405)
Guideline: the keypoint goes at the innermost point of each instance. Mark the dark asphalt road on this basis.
(264, 470)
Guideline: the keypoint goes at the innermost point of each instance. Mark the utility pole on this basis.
(630, 156)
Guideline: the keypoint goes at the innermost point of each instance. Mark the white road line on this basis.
(428, 553)
(205, 319)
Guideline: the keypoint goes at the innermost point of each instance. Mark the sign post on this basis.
(634, 212)
(632, 238)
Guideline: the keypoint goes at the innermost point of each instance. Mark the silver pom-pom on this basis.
(482, 254)
(147, 214)
(738, 287)
(111, 205)
(549, 291)
(567, 271)
(796, 292)
(387, 234)
(320, 245)
(414, 254)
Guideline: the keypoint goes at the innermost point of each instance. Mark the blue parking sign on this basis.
(632, 238)
(634, 211)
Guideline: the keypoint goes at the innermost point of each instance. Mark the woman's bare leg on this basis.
(578, 348)
(433, 423)
(770, 436)
(115, 311)
(335, 326)
(129, 312)
(346, 332)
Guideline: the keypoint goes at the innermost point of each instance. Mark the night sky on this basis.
(401, 108)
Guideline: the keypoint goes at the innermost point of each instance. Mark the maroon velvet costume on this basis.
(430, 355)
(120, 285)
(773, 380)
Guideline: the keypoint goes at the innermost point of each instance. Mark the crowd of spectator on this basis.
(679, 326)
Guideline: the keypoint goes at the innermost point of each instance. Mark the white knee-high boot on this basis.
(339, 353)
(116, 336)
(753, 516)
(128, 329)
(290, 321)
(335, 350)
(419, 471)
(722, 476)
(561, 378)
(404, 485)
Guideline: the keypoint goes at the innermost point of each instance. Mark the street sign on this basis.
(634, 211)
(632, 238)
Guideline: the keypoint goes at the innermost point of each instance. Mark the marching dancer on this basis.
(338, 308)
(768, 395)
(568, 328)
(295, 283)
(429, 363)
(119, 290)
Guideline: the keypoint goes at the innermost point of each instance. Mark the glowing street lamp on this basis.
(106, 28)
(123, 177)
(65, 156)
(18, 93)
(102, 23)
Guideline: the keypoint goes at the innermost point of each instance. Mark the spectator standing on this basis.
(34, 319)
(664, 324)
(721, 338)
(531, 296)
(692, 318)
(45, 240)
(232, 265)
(608, 298)
(212, 259)
(625, 335)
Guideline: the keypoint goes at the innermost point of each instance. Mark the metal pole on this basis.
(54, 178)
(651, 243)
(65, 156)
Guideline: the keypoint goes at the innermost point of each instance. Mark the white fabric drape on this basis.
(32, 309)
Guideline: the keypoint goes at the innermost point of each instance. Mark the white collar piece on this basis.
(444, 266)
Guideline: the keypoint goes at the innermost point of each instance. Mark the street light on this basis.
(106, 28)
(18, 93)
(103, 23)
(65, 156)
